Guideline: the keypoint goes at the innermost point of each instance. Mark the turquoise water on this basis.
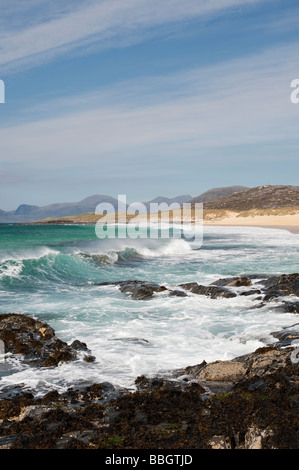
(51, 272)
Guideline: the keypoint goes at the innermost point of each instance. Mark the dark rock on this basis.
(272, 288)
(89, 358)
(50, 397)
(286, 336)
(177, 293)
(251, 292)
(260, 385)
(259, 409)
(148, 383)
(284, 285)
(290, 307)
(213, 291)
(146, 291)
(188, 285)
(79, 346)
(140, 290)
(210, 291)
(35, 340)
(133, 340)
(234, 282)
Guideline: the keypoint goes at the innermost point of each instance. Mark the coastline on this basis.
(249, 402)
(292, 229)
(284, 219)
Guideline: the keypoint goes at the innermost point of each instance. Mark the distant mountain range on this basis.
(231, 198)
(160, 200)
(30, 213)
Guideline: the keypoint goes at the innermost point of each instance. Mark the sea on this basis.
(52, 273)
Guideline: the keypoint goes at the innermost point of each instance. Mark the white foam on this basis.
(173, 247)
(11, 270)
(180, 331)
(21, 255)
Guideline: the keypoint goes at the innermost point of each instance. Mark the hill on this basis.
(261, 197)
(217, 192)
(31, 213)
(67, 208)
(160, 200)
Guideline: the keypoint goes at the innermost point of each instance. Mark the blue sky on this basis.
(145, 98)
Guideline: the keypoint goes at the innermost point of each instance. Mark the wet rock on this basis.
(260, 385)
(89, 358)
(140, 290)
(146, 291)
(148, 383)
(79, 345)
(286, 336)
(141, 341)
(213, 292)
(177, 293)
(234, 282)
(188, 285)
(290, 307)
(269, 289)
(34, 340)
(259, 412)
(251, 292)
(284, 285)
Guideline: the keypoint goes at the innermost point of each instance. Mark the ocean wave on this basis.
(27, 254)
(13, 264)
(10, 269)
(135, 251)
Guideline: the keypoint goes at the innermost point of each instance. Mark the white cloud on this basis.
(241, 102)
(105, 22)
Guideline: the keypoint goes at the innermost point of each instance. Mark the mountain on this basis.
(160, 200)
(217, 192)
(238, 198)
(27, 213)
(261, 197)
(31, 213)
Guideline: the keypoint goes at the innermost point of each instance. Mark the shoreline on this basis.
(292, 229)
(284, 219)
(249, 402)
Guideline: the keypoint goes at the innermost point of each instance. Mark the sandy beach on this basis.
(284, 219)
(284, 222)
(288, 222)
(293, 229)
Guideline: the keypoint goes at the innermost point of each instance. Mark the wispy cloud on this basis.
(240, 102)
(66, 26)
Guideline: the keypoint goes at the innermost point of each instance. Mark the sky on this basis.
(145, 97)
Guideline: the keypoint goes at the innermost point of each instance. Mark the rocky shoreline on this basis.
(250, 402)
